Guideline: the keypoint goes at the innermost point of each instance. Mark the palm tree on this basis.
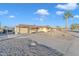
(67, 15)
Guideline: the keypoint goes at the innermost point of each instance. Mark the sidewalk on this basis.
(4, 37)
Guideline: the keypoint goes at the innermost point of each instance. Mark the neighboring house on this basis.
(8, 30)
(27, 29)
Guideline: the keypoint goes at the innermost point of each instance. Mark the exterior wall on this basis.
(33, 30)
(21, 30)
(16, 30)
(24, 30)
(29, 30)
(1, 30)
(42, 29)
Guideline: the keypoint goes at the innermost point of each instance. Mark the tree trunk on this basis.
(66, 24)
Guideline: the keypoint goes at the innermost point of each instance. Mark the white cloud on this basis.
(12, 16)
(59, 12)
(68, 6)
(76, 16)
(42, 12)
(4, 12)
(41, 19)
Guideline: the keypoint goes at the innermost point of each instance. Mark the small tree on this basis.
(73, 27)
(58, 27)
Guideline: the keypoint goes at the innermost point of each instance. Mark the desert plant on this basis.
(73, 27)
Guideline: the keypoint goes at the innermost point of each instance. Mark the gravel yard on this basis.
(65, 42)
(25, 47)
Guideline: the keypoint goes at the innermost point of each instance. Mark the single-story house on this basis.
(27, 29)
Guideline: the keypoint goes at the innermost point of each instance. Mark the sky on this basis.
(37, 13)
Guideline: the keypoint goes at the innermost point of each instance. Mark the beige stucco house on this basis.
(43, 29)
(27, 29)
(1, 30)
(21, 29)
(33, 29)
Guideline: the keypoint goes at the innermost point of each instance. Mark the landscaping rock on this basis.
(26, 47)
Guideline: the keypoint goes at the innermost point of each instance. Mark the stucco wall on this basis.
(43, 29)
(21, 30)
(28, 30)
(1, 30)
